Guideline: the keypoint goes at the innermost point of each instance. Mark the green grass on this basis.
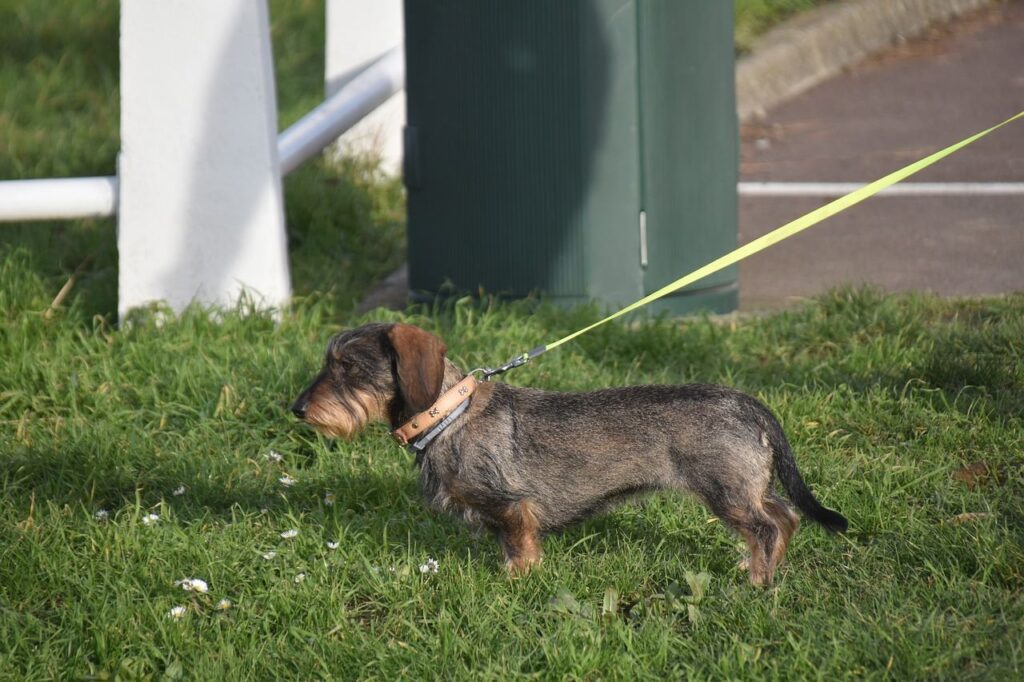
(754, 17)
(886, 399)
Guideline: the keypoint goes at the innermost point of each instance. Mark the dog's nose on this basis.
(299, 409)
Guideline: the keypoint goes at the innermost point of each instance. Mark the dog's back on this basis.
(576, 453)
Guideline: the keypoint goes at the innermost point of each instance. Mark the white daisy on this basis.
(150, 519)
(193, 585)
(289, 534)
(177, 613)
(299, 578)
(287, 481)
(179, 491)
(430, 567)
(331, 544)
(270, 555)
(224, 605)
(102, 515)
(274, 456)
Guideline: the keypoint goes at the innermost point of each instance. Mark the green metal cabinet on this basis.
(583, 149)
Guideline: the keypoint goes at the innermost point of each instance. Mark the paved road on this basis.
(881, 115)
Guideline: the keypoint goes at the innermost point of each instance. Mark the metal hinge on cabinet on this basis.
(643, 239)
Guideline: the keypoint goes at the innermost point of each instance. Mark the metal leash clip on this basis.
(517, 361)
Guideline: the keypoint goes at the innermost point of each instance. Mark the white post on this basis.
(200, 214)
(358, 32)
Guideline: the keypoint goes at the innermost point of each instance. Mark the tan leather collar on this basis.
(436, 413)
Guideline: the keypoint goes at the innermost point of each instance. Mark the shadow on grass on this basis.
(954, 356)
(367, 501)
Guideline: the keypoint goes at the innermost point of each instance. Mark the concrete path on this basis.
(877, 117)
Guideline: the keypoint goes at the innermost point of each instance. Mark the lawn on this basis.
(904, 413)
(134, 458)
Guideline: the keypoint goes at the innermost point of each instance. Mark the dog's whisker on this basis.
(332, 418)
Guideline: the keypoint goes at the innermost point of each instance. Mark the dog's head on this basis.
(374, 372)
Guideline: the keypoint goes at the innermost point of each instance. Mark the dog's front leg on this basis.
(519, 533)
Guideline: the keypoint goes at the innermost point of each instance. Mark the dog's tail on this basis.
(793, 482)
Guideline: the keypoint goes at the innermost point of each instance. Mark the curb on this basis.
(815, 46)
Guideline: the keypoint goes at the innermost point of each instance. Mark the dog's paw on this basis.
(521, 566)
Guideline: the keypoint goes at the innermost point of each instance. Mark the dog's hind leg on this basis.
(787, 522)
(519, 532)
(762, 534)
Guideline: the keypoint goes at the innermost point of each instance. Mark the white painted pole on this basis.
(358, 31)
(201, 215)
(58, 199)
(361, 95)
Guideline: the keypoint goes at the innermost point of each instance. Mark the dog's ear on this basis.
(420, 363)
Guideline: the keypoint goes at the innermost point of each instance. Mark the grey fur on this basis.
(523, 462)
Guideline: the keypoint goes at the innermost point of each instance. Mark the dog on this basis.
(523, 462)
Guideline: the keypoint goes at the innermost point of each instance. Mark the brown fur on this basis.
(523, 462)
(420, 365)
(520, 536)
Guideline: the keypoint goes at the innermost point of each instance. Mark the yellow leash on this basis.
(762, 243)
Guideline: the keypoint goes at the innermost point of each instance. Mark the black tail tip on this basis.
(831, 520)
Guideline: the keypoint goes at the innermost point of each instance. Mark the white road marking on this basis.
(906, 189)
